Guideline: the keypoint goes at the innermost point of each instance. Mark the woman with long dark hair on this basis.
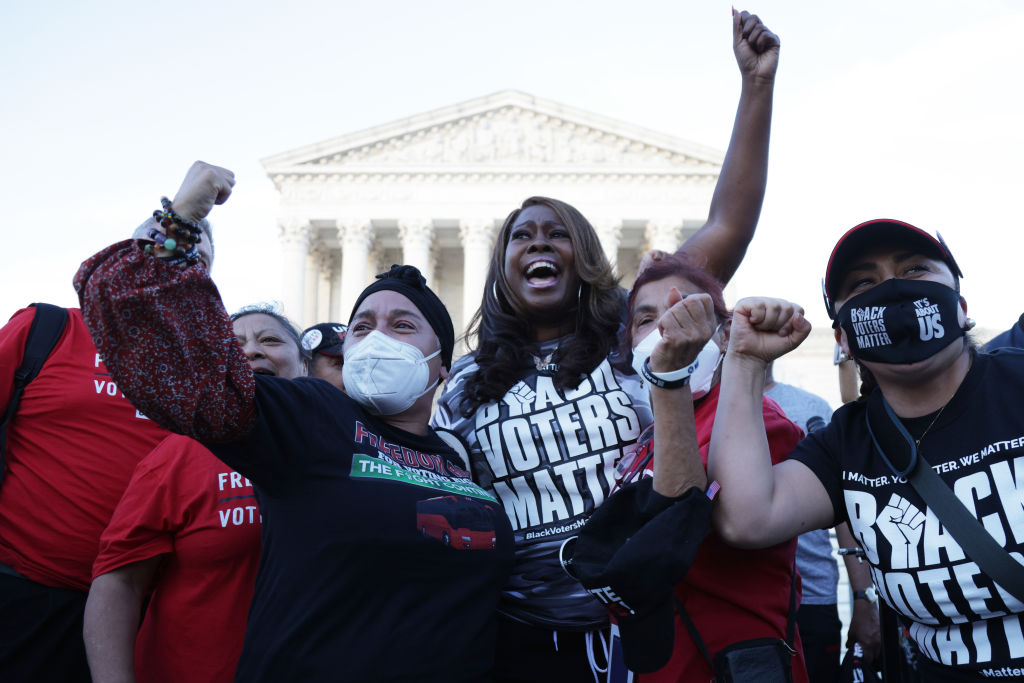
(545, 415)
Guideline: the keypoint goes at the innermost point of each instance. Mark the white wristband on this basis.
(668, 380)
(675, 375)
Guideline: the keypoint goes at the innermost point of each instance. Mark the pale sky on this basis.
(906, 110)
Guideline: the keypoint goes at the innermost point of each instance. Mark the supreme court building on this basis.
(432, 190)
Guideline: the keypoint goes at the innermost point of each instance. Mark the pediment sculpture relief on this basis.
(511, 136)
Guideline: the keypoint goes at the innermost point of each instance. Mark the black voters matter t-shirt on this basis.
(955, 613)
(381, 560)
(548, 457)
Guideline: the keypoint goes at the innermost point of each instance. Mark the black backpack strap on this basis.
(47, 326)
(702, 646)
(692, 628)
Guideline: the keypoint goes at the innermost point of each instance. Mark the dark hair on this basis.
(678, 265)
(501, 327)
(286, 324)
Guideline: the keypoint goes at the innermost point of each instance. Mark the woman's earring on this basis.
(494, 291)
(969, 324)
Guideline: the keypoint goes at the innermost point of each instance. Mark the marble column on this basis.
(336, 313)
(377, 261)
(477, 237)
(663, 234)
(417, 236)
(309, 309)
(324, 270)
(296, 236)
(356, 237)
(435, 267)
(610, 233)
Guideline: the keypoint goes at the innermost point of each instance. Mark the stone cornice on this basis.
(409, 175)
(513, 100)
(507, 137)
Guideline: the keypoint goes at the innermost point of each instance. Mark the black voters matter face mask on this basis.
(901, 321)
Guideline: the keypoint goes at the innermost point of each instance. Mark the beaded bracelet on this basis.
(177, 227)
(188, 258)
(165, 203)
(181, 236)
(180, 255)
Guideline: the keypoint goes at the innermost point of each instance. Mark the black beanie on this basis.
(408, 281)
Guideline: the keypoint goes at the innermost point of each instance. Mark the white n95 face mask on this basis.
(643, 350)
(385, 375)
(707, 361)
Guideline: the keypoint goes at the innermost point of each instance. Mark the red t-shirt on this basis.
(71, 449)
(185, 503)
(732, 594)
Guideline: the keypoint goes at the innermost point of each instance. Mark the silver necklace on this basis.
(918, 440)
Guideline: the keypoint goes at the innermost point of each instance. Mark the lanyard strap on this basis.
(973, 538)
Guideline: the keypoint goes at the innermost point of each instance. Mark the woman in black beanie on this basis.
(375, 540)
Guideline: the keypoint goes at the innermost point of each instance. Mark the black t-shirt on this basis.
(381, 559)
(956, 614)
(1011, 338)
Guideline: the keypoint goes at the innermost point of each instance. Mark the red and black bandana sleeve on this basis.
(167, 342)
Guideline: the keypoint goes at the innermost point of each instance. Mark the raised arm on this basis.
(759, 505)
(685, 328)
(163, 332)
(719, 246)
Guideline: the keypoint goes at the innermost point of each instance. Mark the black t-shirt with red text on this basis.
(381, 559)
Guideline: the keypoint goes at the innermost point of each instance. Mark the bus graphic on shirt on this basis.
(458, 522)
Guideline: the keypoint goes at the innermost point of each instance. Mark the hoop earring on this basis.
(494, 291)
(579, 307)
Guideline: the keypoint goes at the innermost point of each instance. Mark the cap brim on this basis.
(862, 237)
(330, 338)
(876, 233)
(647, 641)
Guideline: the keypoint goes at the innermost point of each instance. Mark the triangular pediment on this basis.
(507, 131)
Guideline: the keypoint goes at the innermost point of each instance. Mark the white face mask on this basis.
(385, 375)
(643, 350)
(707, 361)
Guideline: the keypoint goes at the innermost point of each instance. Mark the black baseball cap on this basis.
(630, 555)
(325, 338)
(854, 669)
(862, 237)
